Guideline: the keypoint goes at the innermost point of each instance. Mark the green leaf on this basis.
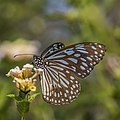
(32, 97)
(22, 107)
(11, 95)
(18, 98)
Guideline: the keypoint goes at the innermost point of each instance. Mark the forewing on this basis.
(79, 58)
(52, 48)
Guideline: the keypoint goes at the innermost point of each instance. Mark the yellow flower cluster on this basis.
(24, 78)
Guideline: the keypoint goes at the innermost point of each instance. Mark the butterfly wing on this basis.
(52, 48)
(59, 88)
(79, 58)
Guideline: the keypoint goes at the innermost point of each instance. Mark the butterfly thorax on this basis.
(39, 62)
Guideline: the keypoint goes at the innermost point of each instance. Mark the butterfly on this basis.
(62, 66)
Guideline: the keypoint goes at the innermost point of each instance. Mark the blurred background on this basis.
(29, 26)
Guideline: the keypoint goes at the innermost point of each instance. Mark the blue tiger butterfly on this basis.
(61, 66)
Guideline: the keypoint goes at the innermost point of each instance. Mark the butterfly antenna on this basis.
(22, 54)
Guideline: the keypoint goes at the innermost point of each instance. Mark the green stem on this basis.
(22, 118)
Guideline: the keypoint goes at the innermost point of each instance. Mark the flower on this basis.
(25, 79)
(16, 72)
(27, 70)
(33, 88)
(28, 66)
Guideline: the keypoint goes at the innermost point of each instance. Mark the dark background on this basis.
(29, 26)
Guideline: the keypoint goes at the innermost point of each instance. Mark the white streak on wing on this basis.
(69, 51)
(72, 77)
(77, 55)
(96, 52)
(54, 83)
(74, 68)
(61, 81)
(73, 60)
(84, 64)
(44, 86)
(59, 86)
(83, 68)
(99, 46)
(89, 58)
(63, 66)
(55, 56)
(93, 47)
(55, 94)
(59, 68)
(59, 64)
(47, 76)
(53, 75)
(82, 51)
(102, 51)
(62, 61)
(83, 59)
(43, 82)
(79, 45)
(65, 80)
(82, 48)
(62, 74)
(47, 88)
(53, 70)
